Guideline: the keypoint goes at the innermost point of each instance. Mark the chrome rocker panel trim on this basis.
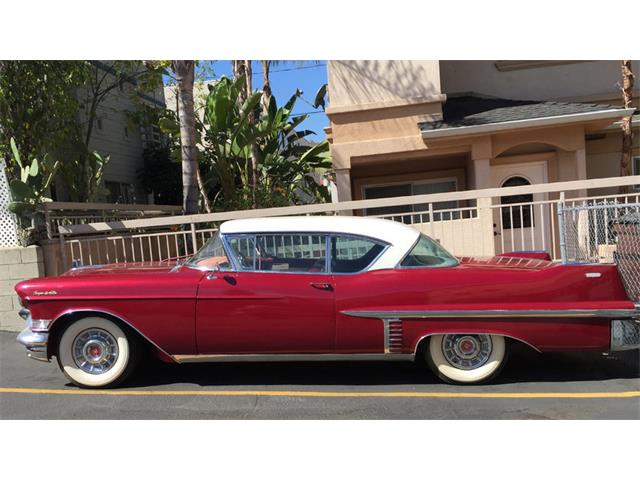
(295, 357)
(391, 314)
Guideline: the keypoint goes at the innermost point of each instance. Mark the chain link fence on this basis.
(603, 232)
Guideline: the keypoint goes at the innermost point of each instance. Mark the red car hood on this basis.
(123, 268)
(505, 263)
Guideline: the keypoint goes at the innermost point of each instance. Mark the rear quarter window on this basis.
(427, 253)
(353, 254)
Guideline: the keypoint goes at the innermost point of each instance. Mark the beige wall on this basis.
(16, 264)
(552, 82)
(363, 82)
(604, 154)
(375, 107)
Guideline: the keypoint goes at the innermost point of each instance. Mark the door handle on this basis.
(321, 286)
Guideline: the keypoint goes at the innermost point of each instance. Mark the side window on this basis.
(244, 251)
(353, 254)
(291, 252)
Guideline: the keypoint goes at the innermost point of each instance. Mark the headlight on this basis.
(24, 313)
(40, 325)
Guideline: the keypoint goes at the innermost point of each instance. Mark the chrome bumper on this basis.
(34, 342)
(625, 334)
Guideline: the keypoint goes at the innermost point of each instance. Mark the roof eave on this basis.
(528, 123)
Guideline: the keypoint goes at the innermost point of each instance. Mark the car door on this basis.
(357, 288)
(423, 277)
(279, 298)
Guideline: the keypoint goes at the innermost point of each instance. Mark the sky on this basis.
(285, 77)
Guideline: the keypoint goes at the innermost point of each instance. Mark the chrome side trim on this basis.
(104, 312)
(296, 357)
(385, 326)
(390, 314)
(393, 340)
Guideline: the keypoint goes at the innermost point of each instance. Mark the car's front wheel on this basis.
(94, 352)
(466, 358)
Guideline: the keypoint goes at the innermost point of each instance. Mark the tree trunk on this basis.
(203, 192)
(254, 148)
(184, 71)
(627, 133)
(239, 71)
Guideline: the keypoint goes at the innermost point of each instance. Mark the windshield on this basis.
(428, 253)
(211, 255)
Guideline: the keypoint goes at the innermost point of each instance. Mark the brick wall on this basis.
(16, 264)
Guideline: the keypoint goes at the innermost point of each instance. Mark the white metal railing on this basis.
(475, 228)
(140, 247)
(529, 225)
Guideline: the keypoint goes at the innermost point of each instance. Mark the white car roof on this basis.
(400, 237)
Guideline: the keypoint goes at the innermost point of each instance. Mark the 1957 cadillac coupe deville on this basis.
(323, 288)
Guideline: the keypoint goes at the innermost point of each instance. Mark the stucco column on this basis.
(343, 184)
(480, 164)
(343, 188)
(480, 174)
(572, 165)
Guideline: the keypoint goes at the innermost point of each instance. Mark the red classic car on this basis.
(323, 288)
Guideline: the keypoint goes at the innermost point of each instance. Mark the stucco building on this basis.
(415, 127)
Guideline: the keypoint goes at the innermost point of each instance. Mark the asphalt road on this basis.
(532, 386)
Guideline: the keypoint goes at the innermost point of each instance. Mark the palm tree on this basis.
(627, 134)
(184, 72)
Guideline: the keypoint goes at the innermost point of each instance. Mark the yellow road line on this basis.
(294, 393)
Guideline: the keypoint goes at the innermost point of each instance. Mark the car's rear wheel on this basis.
(94, 352)
(466, 358)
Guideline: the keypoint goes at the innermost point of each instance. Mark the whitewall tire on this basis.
(466, 358)
(94, 352)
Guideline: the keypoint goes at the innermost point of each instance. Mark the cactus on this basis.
(35, 178)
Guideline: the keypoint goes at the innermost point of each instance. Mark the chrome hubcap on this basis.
(466, 352)
(95, 351)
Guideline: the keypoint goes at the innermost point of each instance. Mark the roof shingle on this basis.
(469, 111)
